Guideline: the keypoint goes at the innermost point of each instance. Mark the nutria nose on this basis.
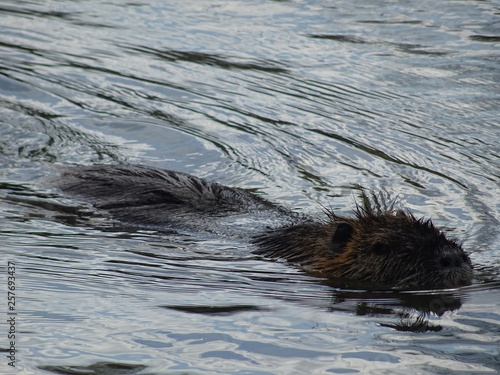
(452, 260)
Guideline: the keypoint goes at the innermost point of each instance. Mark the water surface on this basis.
(303, 102)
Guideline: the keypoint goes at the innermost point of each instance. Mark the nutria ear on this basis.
(342, 234)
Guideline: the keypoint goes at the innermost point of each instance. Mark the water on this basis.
(303, 102)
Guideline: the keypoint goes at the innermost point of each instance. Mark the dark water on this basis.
(303, 102)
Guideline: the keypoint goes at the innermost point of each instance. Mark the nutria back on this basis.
(152, 198)
(377, 245)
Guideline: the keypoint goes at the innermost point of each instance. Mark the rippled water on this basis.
(304, 102)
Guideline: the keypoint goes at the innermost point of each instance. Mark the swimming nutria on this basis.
(377, 245)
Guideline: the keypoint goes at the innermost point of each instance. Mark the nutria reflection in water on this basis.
(377, 245)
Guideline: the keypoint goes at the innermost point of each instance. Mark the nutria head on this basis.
(397, 250)
(378, 245)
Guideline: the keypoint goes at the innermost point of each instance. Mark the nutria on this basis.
(379, 245)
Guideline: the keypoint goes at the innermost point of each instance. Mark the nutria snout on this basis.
(378, 245)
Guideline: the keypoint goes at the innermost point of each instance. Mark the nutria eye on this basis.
(445, 261)
(379, 248)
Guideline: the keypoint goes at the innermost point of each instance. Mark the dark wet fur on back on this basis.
(149, 196)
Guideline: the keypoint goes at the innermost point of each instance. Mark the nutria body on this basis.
(377, 245)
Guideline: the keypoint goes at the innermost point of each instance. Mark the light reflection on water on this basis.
(302, 102)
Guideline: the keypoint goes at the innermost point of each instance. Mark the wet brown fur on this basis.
(377, 245)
